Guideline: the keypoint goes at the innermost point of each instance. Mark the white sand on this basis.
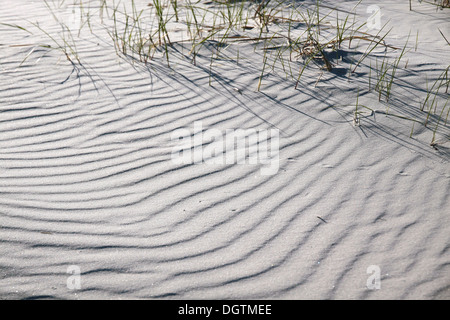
(86, 176)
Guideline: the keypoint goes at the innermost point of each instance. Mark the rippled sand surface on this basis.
(87, 178)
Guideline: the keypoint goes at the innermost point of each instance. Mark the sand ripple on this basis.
(86, 179)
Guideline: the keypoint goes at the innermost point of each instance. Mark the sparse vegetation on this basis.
(289, 37)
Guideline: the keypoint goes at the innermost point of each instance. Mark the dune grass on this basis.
(290, 38)
(440, 4)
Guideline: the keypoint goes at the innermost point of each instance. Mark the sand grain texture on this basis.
(86, 178)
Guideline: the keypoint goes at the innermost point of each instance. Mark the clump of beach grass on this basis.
(440, 4)
(289, 37)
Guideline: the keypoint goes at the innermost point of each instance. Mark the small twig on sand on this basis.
(444, 36)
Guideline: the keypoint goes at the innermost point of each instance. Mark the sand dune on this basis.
(87, 177)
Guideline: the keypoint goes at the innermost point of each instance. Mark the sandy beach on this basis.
(109, 187)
